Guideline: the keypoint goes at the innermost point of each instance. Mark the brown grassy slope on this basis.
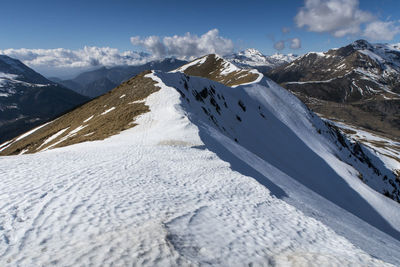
(212, 68)
(378, 116)
(100, 126)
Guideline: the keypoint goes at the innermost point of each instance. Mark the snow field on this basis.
(164, 193)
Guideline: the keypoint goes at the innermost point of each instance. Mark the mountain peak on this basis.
(361, 45)
(251, 52)
(15, 67)
(216, 68)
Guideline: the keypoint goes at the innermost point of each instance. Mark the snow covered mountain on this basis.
(97, 82)
(216, 68)
(252, 58)
(184, 170)
(28, 99)
(357, 84)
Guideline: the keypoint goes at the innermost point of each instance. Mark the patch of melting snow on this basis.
(23, 151)
(30, 132)
(108, 110)
(8, 75)
(122, 96)
(77, 129)
(190, 64)
(54, 136)
(137, 101)
(70, 134)
(229, 68)
(88, 119)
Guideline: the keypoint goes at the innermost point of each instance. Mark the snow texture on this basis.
(250, 182)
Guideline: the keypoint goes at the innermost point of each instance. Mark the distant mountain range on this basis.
(97, 82)
(358, 84)
(115, 111)
(252, 58)
(28, 99)
(209, 164)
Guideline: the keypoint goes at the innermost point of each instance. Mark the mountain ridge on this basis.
(28, 99)
(263, 178)
(97, 82)
(252, 58)
(357, 83)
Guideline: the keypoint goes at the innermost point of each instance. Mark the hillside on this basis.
(357, 84)
(216, 68)
(97, 82)
(28, 99)
(206, 174)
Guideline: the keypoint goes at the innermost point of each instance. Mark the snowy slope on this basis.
(369, 69)
(212, 175)
(216, 68)
(387, 150)
(357, 84)
(9, 83)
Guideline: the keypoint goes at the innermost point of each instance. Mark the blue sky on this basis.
(258, 24)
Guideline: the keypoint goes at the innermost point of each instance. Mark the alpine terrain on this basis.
(252, 58)
(357, 84)
(28, 99)
(209, 164)
(97, 82)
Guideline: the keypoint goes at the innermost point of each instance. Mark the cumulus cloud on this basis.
(343, 17)
(280, 45)
(152, 43)
(86, 57)
(295, 43)
(338, 17)
(285, 29)
(380, 30)
(61, 61)
(188, 46)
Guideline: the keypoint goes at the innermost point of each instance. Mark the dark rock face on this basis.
(363, 78)
(28, 99)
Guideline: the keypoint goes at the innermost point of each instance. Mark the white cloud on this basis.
(152, 44)
(280, 45)
(86, 57)
(344, 17)
(295, 43)
(65, 62)
(380, 30)
(338, 17)
(188, 46)
(285, 29)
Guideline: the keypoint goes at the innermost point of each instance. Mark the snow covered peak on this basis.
(18, 69)
(252, 58)
(284, 57)
(362, 44)
(251, 53)
(215, 67)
